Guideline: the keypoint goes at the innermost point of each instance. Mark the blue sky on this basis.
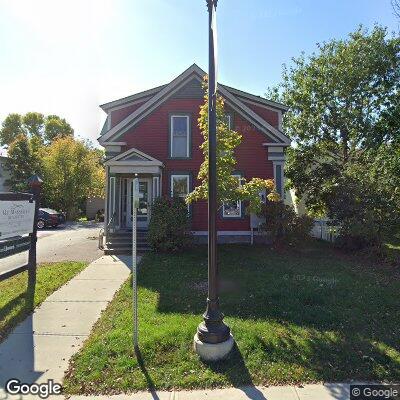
(66, 57)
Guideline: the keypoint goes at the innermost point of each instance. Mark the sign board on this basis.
(10, 247)
(16, 218)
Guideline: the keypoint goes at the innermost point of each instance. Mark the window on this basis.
(156, 187)
(233, 209)
(229, 120)
(279, 179)
(180, 131)
(179, 185)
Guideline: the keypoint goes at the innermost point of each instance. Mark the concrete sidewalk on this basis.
(40, 347)
(333, 391)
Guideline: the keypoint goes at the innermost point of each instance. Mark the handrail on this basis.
(101, 239)
(111, 222)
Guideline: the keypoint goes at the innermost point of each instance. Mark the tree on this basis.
(72, 172)
(56, 127)
(11, 128)
(344, 109)
(228, 189)
(21, 163)
(396, 7)
(33, 123)
(342, 100)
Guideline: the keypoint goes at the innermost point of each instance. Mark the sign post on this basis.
(18, 218)
(135, 204)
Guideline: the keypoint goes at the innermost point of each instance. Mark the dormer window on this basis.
(180, 136)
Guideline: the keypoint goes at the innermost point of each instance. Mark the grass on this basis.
(16, 300)
(297, 316)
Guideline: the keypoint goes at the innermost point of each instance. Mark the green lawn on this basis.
(297, 316)
(15, 300)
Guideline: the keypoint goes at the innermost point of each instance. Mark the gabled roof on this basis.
(133, 157)
(162, 93)
(257, 99)
(133, 98)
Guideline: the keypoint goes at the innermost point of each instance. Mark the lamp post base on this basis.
(212, 352)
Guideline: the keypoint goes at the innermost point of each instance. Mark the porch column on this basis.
(106, 201)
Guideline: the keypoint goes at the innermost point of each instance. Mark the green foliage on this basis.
(365, 202)
(346, 93)
(34, 124)
(56, 127)
(11, 128)
(15, 304)
(71, 169)
(21, 163)
(169, 225)
(284, 225)
(301, 315)
(228, 189)
(345, 119)
(72, 172)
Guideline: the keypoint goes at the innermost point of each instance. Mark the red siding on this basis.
(270, 116)
(118, 115)
(151, 137)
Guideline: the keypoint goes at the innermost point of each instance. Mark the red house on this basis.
(155, 135)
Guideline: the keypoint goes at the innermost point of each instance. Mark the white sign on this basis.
(16, 218)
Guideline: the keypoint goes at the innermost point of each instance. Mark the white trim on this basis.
(127, 153)
(114, 144)
(176, 85)
(130, 169)
(266, 126)
(135, 163)
(276, 144)
(282, 164)
(152, 103)
(128, 99)
(172, 116)
(131, 103)
(223, 233)
(230, 121)
(112, 197)
(265, 102)
(156, 187)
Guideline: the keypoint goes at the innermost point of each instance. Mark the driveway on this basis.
(73, 242)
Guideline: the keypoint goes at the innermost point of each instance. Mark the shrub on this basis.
(283, 224)
(169, 225)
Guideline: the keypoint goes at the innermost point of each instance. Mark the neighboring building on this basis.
(155, 135)
(4, 175)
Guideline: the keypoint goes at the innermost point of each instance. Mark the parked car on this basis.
(49, 218)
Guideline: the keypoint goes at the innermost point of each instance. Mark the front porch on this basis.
(120, 172)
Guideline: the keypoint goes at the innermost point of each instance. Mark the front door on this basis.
(144, 203)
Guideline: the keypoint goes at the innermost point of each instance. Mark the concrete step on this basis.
(125, 250)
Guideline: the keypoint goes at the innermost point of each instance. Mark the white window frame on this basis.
(229, 118)
(172, 134)
(180, 176)
(156, 187)
(282, 188)
(239, 203)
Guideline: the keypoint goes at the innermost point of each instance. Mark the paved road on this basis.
(74, 242)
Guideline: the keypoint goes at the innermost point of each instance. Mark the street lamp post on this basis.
(213, 340)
